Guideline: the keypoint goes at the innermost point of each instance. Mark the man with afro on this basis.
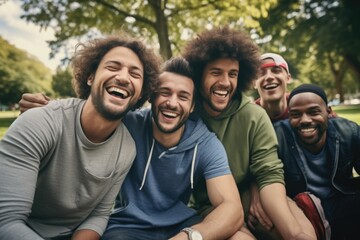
(226, 62)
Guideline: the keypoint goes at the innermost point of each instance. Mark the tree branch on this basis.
(126, 14)
(190, 8)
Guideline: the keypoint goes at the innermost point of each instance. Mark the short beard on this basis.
(167, 131)
(105, 112)
(314, 142)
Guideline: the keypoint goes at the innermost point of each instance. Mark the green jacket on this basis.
(251, 146)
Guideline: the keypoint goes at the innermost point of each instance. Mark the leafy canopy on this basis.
(20, 72)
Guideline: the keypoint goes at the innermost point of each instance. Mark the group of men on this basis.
(202, 163)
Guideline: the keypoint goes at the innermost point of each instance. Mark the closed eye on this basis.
(215, 73)
(136, 74)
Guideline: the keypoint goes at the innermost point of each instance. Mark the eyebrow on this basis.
(120, 64)
(221, 69)
(307, 109)
(169, 89)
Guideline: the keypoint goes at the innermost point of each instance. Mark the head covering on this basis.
(309, 88)
(279, 60)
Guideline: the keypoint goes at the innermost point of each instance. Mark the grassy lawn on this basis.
(351, 112)
(6, 118)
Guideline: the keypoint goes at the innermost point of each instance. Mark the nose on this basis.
(268, 74)
(225, 80)
(122, 76)
(172, 101)
(305, 118)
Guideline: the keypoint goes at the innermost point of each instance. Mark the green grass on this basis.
(351, 112)
(6, 118)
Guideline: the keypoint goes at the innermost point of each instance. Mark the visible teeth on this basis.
(307, 130)
(169, 114)
(221, 92)
(118, 91)
(270, 86)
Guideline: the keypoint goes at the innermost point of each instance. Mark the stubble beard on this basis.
(105, 111)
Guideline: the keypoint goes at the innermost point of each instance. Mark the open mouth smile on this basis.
(118, 92)
(270, 86)
(169, 114)
(307, 131)
(221, 93)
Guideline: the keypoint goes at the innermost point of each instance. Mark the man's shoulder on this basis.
(282, 126)
(343, 126)
(64, 103)
(252, 109)
(136, 116)
(55, 110)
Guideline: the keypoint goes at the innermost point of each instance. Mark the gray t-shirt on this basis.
(53, 180)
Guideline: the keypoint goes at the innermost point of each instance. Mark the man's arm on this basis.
(227, 216)
(274, 200)
(256, 212)
(31, 100)
(268, 170)
(21, 149)
(85, 234)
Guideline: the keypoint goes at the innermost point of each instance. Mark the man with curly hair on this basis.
(172, 149)
(225, 63)
(62, 165)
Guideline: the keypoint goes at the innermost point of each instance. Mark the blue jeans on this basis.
(148, 233)
(343, 214)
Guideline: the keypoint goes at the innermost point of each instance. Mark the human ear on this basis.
(90, 80)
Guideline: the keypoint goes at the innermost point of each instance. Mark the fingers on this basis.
(252, 221)
(39, 98)
(29, 100)
(257, 215)
(263, 219)
(47, 99)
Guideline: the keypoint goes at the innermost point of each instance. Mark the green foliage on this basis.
(306, 32)
(61, 83)
(19, 73)
(165, 24)
(319, 38)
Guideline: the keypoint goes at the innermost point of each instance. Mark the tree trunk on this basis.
(354, 63)
(338, 76)
(162, 29)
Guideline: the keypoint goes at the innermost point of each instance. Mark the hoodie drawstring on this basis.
(149, 160)
(147, 165)
(193, 167)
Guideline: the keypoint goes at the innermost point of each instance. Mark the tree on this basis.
(19, 73)
(306, 28)
(61, 83)
(165, 23)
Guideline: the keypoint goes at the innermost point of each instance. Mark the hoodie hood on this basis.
(195, 133)
(235, 106)
(157, 188)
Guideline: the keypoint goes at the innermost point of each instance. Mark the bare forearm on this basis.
(85, 234)
(273, 198)
(222, 222)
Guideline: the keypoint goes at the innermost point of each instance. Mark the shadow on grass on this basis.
(5, 122)
(4, 125)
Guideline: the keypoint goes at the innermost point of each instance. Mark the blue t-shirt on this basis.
(157, 189)
(318, 174)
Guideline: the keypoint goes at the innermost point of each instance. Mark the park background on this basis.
(320, 39)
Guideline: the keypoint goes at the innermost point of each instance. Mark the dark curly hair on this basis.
(177, 65)
(224, 42)
(89, 55)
